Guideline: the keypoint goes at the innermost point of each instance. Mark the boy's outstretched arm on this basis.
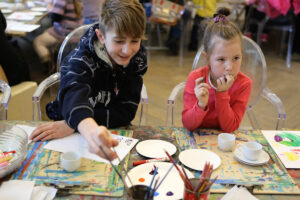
(97, 136)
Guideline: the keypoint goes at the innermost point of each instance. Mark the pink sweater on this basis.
(225, 110)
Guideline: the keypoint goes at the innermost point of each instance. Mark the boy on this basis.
(101, 80)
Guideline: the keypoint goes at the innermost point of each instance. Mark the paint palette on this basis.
(262, 159)
(196, 158)
(171, 188)
(155, 148)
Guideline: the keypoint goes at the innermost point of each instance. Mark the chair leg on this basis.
(282, 42)
(290, 46)
(252, 119)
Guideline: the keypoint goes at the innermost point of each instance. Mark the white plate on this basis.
(39, 9)
(262, 159)
(196, 158)
(172, 183)
(155, 148)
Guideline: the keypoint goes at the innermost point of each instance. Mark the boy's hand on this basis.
(224, 83)
(98, 136)
(202, 92)
(50, 131)
(104, 139)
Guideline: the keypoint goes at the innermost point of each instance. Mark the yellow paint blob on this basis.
(291, 156)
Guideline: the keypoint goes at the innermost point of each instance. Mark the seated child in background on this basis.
(216, 96)
(101, 80)
(66, 16)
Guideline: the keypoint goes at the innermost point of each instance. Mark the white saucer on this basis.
(196, 158)
(262, 159)
(155, 148)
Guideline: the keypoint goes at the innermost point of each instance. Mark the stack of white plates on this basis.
(262, 159)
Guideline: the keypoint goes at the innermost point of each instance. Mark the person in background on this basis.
(206, 9)
(90, 11)
(216, 95)
(11, 60)
(66, 16)
(101, 80)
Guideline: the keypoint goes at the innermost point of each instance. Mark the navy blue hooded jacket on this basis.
(91, 87)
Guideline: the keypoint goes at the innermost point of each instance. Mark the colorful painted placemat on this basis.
(92, 178)
(286, 145)
(271, 178)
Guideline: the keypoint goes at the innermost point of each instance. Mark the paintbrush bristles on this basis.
(204, 183)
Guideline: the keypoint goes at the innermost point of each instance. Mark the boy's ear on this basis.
(100, 36)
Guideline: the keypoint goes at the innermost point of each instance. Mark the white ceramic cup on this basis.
(226, 141)
(251, 150)
(70, 161)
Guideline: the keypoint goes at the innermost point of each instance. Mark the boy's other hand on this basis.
(51, 130)
(202, 92)
(224, 83)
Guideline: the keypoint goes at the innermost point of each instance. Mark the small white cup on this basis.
(226, 141)
(251, 150)
(70, 161)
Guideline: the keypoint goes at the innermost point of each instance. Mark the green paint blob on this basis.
(289, 139)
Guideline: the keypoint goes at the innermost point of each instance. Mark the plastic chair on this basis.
(254, 66)
(67, 46)
(286, 26)
(6, 90)
(18, 98)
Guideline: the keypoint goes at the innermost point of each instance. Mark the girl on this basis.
(216, 96)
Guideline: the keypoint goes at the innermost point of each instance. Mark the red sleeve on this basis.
(192, 114)
(230, 116)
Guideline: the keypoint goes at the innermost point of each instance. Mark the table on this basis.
(169, 134)
(13, 7)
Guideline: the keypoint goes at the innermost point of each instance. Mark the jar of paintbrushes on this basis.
(199, 188)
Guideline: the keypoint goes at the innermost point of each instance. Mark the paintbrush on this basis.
(189, 186)
(155, 184)
(126, 173)
(119, 174)
(162, 180)
(186, 176)
(149, 188)
(210, 183)
(201, 178)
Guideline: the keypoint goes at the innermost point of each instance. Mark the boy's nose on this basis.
(126, 49)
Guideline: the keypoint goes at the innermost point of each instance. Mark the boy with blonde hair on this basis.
(101, 80)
